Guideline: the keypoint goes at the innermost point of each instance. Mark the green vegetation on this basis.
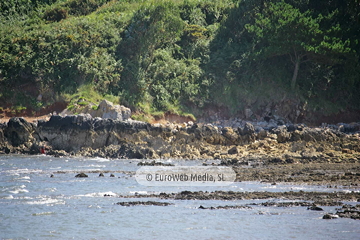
(85, 96)
(180, 56)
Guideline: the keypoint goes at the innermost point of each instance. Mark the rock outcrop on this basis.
(105, 110)
(81, 175)
(19, 132)
(246, 144)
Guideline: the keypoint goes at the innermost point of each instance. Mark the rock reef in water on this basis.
(248, 143)
(81, 175)
(147, 203)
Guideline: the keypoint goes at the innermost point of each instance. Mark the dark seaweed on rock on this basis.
(327, 198)
(136, 203)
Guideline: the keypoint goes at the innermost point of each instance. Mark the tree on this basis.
(152, 27)
(281, 29)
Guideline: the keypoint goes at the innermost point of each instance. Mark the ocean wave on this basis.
(98, 159)
(97, 194)
(93, 165)
(8, 197)
(25, 177)
(51, 189)
(54, 168)
(17, 172)
(19, 189)
(43, 213)
(46, 200)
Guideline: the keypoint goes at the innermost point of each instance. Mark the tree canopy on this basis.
(162, 55)
(282, 29)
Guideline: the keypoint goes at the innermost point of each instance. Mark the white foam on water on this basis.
(51, 189)
(139, 192)
(270, 186)
(97, 194)
(15, 198)
(46, 200)
(43, 213)
(88, 170)
(17, 172)
(237, 187)
(350, 191)
(99, 159)
(93, 165)
(23, 197)
(19, 189)
(54, 168)
(25, 181)
(9, 197)
(25, 177)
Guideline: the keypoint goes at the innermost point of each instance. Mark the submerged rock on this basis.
(136, 203)
(226, 207)
(330, 216)
(154, 163)
(81, 175)
(348, 211)
(315, 208)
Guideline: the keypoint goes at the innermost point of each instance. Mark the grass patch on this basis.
(85, 95)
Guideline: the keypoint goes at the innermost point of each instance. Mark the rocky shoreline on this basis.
(247, 144)
(290, 153)
(263, 151)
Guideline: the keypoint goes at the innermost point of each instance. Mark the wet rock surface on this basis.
(241, 145)
(262, 151)
(349, 211)
(333, 175)
(330, 216)
(154, 163)
(311, 200)
(318, 197)
(226, 207)
(137, 203)
(81, 175)
(310, 205)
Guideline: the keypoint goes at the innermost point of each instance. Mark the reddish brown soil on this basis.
(31, 115)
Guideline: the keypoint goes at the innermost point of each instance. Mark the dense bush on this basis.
(56, 14)
(164, 55)
(301, 48)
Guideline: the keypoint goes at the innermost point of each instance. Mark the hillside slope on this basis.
(254, 59)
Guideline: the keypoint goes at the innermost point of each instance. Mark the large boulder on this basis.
(107, 109)
(283, 135)
(247, 134)
(71, 133)
(19, 132)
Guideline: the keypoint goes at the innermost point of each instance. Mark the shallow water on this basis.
(35, 206)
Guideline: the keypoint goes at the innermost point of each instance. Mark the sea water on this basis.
(34, 205)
